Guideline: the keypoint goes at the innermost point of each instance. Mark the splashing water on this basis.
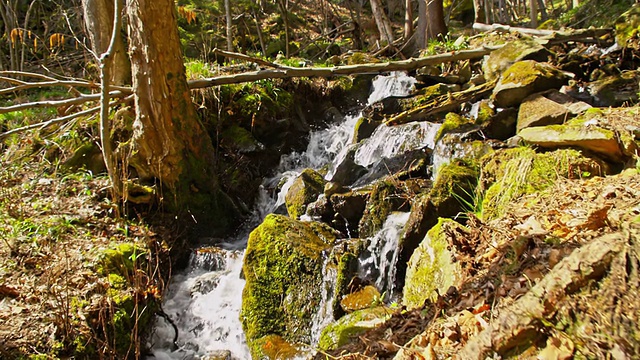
(204, 301)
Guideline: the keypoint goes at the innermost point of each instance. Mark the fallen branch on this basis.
(56, 103)
(46, 124)
(402, 65)
(65, 83)
(444, 103)
(525, 319)
(548, 36)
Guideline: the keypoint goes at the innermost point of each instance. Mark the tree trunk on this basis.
(478, 9)
(408, 20)
(171, 148)
(533, 13)
(227, 12)
(98, 18)
(435, 19)
(284, 10)
(382, 21)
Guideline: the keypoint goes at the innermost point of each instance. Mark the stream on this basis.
(204, 300)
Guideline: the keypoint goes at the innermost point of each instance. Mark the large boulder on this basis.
(525, 48)
(386, 196)
(304, 190)
(432, 268)
(525, 78)
(283, 271)
(508, 174)
(348, 210)
(548, 108)
(595, 139)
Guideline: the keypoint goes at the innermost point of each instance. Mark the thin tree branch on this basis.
(55, 103)
(46, 124)
(66, 83)
(106, 64)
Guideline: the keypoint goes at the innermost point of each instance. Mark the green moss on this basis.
(456, 177)
(379, 206)
(303, 191)
(283, 270)
(121, 259)
(485, 112)
(346, 328)
(432, 266)
(512, 173)
(525, 72)
(426, 95)
(452, 122)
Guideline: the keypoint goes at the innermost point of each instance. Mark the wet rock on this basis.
(283, 271)
(432, 266)
(615, 90)
(218, 355)
(304, 190)
(275, 347)
(408, 161)
(331, 188)
(522, 49)
(363, 298)
(386, 196)
(501, 125)
(364, 128)
(349, 326)
(548, 108)
(320, 209)
(525, 78)
(349, 208)
(346, 172)
(601, 141)
(205, 283)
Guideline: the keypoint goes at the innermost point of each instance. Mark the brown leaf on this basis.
(6, 290)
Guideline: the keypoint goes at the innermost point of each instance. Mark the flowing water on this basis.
(204, 300)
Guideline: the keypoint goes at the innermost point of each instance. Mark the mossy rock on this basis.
(364, 128)
(349, 326)
(121, 259)
(603, 142)
(615, 90)
(454, 123)
(304, 190)
(275, 347)
(88, 157)
(432, 266)
(283, 271)
(628, 25)
(237, 138)
(425, 95)
(525, 78)
(499, 60)
(508, 174)
(386, 196)
(363, 298)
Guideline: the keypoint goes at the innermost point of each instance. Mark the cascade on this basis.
(204, 300)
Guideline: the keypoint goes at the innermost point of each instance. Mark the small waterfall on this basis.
(382, 254)
(204, 301)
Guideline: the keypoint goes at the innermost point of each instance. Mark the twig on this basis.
(26, 74)
(56, 103)
(46, 124)
(67, 83)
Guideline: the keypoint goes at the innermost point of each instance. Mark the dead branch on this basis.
(65, 83)
(56, 103)
(46, 124)
(444, 103)
(26, 74)
(551, 36)
(526, 318)
(402, 65)
(234, 55)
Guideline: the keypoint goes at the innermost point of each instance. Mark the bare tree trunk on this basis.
(478, 9)
(26, 27)
(98, 17)
(435, 19)
(171, 147)
(533, 13)
(263, 48)
(9, 17)
(382, 21)
(284, 10)
(408, 20)
(227, 12)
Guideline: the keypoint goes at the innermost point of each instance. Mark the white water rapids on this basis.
(204, 300)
